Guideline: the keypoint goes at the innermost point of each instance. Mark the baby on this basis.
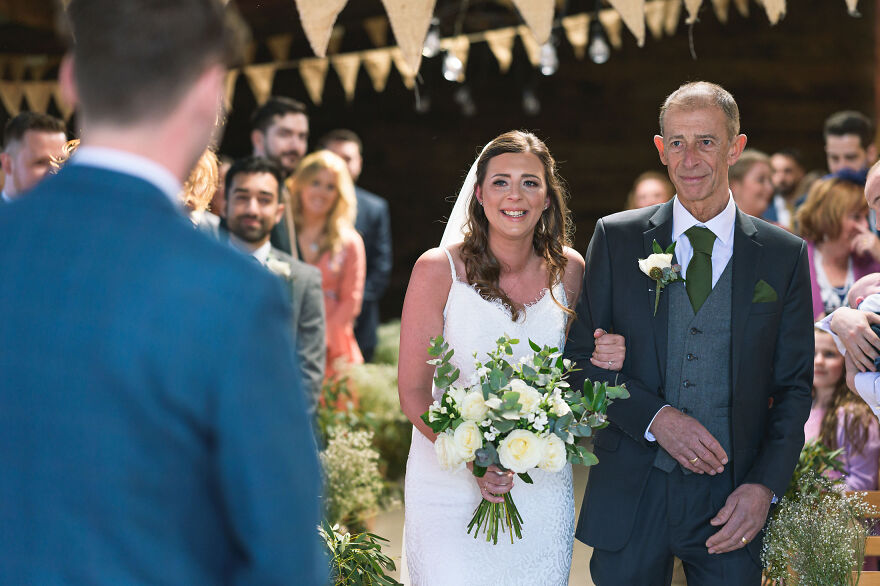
(864, 295)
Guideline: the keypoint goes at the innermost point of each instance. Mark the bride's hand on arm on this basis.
(610, 350)
(494, 483)
(421, 320)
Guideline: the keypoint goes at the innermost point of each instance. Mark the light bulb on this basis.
(599, 51)
(453, 68)
(431, 47)
(549, 61)
(530, 103)
(423, 103)
(463, 98)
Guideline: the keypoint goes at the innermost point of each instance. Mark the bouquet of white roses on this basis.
(514, 416)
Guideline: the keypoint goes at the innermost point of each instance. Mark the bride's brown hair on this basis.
(552, 233)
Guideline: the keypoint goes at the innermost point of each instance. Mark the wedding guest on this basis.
(649, 188)
(218, 200)
(198, 191)
(788, 172)
(280, 132)
(323, 212)
(373, 223)
(30, 142)
(750, 182)
(842, 249)
(849, 142)
(144, 440)
(254, 207)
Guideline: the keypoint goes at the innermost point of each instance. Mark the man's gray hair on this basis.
(703, 94)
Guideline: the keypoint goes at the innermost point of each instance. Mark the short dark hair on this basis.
(251, 166)
(794, 154)
(135, 59)
(850, 122)
(341, 135)
(264, 116)
(19, 125)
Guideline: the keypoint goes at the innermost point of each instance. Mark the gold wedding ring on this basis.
(694, 460)
(745, 541)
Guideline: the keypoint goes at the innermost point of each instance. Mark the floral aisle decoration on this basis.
(356, 560)
(516, 416)
(352, 484)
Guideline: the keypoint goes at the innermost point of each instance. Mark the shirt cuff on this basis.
(648, 435)
(866, 387)
(824, 324)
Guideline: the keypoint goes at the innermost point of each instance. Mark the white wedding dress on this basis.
(440, 504)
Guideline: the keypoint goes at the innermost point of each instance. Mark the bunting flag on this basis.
(538, 16)
(410, 20)
(314, 73)
(501, 44)
(655, 14)
(852, 7)
(229, 88)
(613, 27)
(17, 68)
(460, 47)
(673, 16)
(279, 46)
(403, 67)
(722, 10)
(39, 66)
(632, 12)
(260, 78)
(335, 43)
(742, 6)
(693, 8)
(377, 30)
(38, 94)
(577, 31)
(63, 106)
(10, 96)
(378, 66)
(533, 49)
(775, 10)
(317, 19)
(347, 67)
(250, 52)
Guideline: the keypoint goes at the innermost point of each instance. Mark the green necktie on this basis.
(699, 270)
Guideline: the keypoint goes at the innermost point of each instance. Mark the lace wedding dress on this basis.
(439, 504)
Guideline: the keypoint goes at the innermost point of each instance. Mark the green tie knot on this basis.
(701, 238)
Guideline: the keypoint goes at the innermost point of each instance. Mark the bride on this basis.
(503, 267)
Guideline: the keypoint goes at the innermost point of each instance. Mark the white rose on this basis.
(468, 439)
(529, 397)
(653, 265)
(554, 458)
(520, 451)
(280, 268)
(560, 407)
(447, 454)
(457, 394)
(473, 407)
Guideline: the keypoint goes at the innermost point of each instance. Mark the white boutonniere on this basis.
(659, 267)
(279, 267)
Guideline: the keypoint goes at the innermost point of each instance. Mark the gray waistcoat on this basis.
(698, 361)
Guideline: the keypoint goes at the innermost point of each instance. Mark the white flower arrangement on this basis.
(517, 417)
(659, 267)
(278, 267)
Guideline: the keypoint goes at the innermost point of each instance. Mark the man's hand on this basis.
(851, 370)
(742, 517)
(865, 243)
(853, 327)
(688, 442)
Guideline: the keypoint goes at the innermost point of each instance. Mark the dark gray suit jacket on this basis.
(771, 361)
(373, 223)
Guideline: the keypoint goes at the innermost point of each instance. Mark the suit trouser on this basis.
(365, 328)
(673, 520)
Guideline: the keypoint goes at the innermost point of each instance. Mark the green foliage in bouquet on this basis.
(815, 460)
(388, 344)
(356, 560)
(817, 538)
(353, 486)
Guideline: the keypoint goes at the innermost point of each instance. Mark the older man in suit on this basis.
(143, 440)
(373, 223)
(253, 208)
(719, 374)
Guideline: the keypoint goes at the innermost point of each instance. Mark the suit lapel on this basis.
(746, 257)
(660, 229)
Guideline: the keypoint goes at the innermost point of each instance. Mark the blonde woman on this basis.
(322, 213)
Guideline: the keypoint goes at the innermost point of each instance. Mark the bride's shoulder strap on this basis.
(451, 264)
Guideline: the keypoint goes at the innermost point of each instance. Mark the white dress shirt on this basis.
(261, 253)
(722, 226)
(130, 164)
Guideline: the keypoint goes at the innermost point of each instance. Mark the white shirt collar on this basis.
(130, 164)
(261, 254)
(5, 197)
(721, 225)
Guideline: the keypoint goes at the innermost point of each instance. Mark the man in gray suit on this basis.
(253, 208)
(719, 367)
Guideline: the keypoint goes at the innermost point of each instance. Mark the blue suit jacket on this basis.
(374, 225)
(148, 431)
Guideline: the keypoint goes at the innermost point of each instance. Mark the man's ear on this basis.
(258, 141)
(871, 153)
(67, 81)
(736, 148)
(6, 164)
(661, 148)
(279, 214)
